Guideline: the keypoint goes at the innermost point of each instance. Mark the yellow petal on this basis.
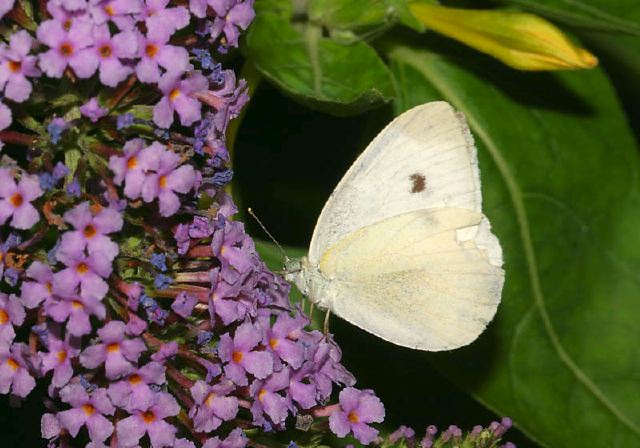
(520, 40)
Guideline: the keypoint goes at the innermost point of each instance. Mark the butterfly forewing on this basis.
(423, 159)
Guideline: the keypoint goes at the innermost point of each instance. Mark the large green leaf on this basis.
(362, 18)
(560, 182)
(604, 15)
(321, 72)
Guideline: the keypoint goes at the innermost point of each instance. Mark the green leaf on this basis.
(66, 99)
(322, 73)
(559, 171)
(602, 15)
(281, 8)
(33, 125)
(359, 19)
(71, 159)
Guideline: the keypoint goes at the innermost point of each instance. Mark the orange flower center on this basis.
(273, 343)
(49, 287)
(261, 394)
(135, 379)
(67, 24)
(13, 364)
(16, 200)
(163, 181)
(15, 66)
(237, 356)
(148, 417)
(62, 356)
(132, 163)
(353, 417)
(175, 93)
(82, 268)
(151, 50)
(77, 305)
(66, 49)
(4, 317)
(88, 409)
(209, 400)
(89, 231)
(112, 348)
(109, 10)
(105, 51)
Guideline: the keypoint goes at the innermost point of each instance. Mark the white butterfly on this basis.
(401, 248)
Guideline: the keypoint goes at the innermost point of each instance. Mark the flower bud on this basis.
(520, 40)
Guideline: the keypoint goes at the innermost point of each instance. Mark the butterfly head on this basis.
(294, 272)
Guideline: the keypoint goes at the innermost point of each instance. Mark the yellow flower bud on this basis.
(522, 41)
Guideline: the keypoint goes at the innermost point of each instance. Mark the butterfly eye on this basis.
(292, 265)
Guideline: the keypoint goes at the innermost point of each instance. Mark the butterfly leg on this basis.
(326, 322)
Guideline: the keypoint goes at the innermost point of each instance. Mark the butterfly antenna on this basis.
(267, 232)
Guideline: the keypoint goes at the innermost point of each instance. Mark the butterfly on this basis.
(401, 248)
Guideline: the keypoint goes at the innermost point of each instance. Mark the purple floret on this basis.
(134, 391)
(212, 405)
(357, 409)
(267, 400)
(11, 315)
(15, 199)
(116, 352)
(235, 439)
(109, 51)
(231, 16)
(85, 271)
(16, 65)
(154, 52)
(183, 304)
(150, 421)
(127, 168)
(164, 177)
(178, 97)
(120, 12)
(87, 410)
(239, 355)
(59, 356)
(33, 293)
(279, 339)
(14, 372)
(68, 47)
(157, 16)
(76, 310)
(91, 228)
(5, 6)
(92, 110)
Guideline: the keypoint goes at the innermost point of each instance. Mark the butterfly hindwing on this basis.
(420, 279)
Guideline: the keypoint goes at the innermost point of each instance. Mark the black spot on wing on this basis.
(418, 182)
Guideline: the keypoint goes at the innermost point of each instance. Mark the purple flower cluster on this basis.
(152, 321)
(453, 436)
(113, 39)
